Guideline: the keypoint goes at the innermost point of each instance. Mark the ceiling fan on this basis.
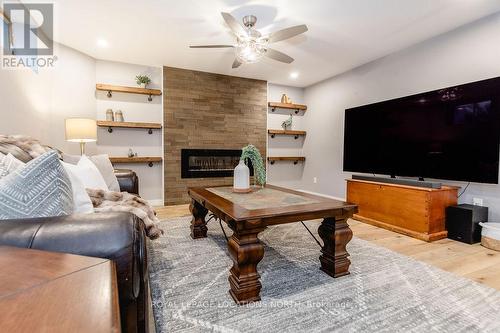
(250, 45)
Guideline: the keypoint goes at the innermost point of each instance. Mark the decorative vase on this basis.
(285, 99)
(119, 116)
(109, 115)
(241, 179)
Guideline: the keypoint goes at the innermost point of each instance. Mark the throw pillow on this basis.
(104, 165)
(88, 174)
(81, 200)
(41, 188)
(8, 163)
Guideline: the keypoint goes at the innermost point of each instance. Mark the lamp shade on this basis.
(81, 130)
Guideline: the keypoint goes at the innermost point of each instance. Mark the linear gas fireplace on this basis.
(203, 163)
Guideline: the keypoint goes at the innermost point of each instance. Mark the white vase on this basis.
(241, 179)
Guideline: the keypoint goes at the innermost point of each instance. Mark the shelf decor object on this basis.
(287, 123)
(143, 80)
(128, 90)
(81, 130)
(285, 99)
(294, 159)
(296, 107)
(119, 116)
(141, 159)
(110, 124)
(295, 134)
(110, 116)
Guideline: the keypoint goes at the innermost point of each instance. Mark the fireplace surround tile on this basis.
(208, 111)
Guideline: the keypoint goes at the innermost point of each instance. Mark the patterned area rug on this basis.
(386, 291)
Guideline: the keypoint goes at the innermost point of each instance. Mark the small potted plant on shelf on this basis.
(143, 80)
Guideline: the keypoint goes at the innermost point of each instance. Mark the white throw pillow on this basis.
(88, 174)
(81, 200)
(8, 163)
(104, 165)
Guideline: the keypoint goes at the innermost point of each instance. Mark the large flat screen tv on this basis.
(450, 134)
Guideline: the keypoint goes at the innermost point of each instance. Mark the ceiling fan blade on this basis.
(279, 56)
(235, 26)
(208, 46)
(287, 33)
(236, 63)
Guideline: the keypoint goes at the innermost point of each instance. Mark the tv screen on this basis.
(451, 134)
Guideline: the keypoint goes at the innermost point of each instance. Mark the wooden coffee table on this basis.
(249, 214)
(56, 292)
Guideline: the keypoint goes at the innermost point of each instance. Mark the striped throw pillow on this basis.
(41, 188)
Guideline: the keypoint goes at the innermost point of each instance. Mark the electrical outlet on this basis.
(477, 201)
(315, 180)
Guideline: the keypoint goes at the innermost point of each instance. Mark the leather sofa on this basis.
(116, 236)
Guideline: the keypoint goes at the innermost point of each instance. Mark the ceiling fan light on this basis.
(250, 50)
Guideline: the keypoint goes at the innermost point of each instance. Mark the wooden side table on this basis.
(55, 292)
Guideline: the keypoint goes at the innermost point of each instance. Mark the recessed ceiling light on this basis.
(294, 75)
(102, 42)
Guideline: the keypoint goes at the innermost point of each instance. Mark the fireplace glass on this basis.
(204, 163)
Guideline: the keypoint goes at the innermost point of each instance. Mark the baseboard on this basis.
(156, 202)
(323, 195)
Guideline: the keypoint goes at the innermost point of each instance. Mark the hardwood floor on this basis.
(471, 261)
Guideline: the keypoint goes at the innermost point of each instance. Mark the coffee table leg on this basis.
(246, 251)
(334, 256)
(198, 224)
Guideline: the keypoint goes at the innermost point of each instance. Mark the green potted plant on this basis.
(253, 154)
(143, 80)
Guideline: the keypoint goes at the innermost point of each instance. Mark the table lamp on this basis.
(81, 130)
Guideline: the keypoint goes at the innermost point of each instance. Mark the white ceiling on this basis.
(343, 34)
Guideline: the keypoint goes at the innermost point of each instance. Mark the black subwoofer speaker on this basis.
(462, 222)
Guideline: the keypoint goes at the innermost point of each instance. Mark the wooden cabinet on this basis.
(414, 211)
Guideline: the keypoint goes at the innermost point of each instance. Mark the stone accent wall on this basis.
(205, 110)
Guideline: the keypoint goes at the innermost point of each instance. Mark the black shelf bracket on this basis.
(272, 162)
(150, 164)
(150, 131)
(150, 98)
(109, 94)
(297, 111)
(273, 109)
(296, 137)
(273, 135)
(295, 162)
(110, 129)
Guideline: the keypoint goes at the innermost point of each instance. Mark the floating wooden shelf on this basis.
(296, 107)
(125, 124)
(128, 90)
(295, 134)
(294, 159)
(150, 160)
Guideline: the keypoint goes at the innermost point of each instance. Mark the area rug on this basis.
(386, 291)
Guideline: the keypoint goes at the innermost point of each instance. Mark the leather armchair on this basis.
(128, 181)
(116, 236)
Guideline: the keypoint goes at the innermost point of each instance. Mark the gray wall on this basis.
(285, 173)
(467, 54)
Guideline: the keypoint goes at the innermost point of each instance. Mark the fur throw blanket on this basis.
(22, 147)
(107, 201)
